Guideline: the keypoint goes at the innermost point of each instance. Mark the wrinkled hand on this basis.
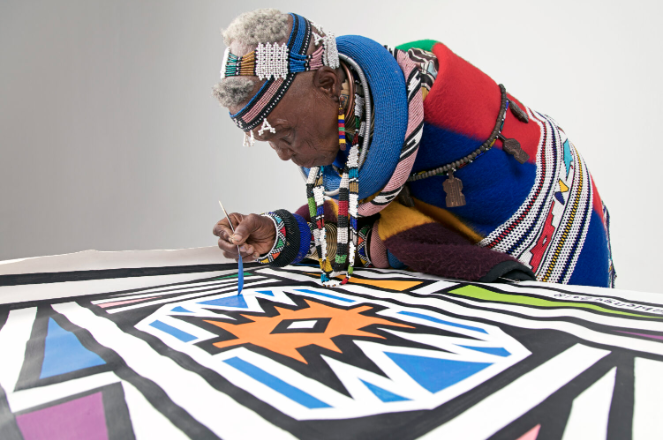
(254, 234)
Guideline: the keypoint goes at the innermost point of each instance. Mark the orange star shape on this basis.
(342, 322)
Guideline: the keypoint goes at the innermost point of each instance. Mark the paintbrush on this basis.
(240, 264)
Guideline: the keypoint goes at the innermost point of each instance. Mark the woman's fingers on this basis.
(230, 250)
(254, 234)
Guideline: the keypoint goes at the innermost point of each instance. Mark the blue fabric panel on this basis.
(278, 385)
(382, 394)
(173, 331)
(304, 238)
(394, 262)
(592, 266)
(64, 353)
(440, 321)
(494, 185)
(436, 374)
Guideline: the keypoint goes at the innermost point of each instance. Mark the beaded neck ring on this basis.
(277, 65)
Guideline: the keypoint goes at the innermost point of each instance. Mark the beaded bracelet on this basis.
(279, 240)
(286, 244)
(362, 245)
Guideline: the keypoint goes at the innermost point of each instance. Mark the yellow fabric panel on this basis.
(397, 218)
(447, 219)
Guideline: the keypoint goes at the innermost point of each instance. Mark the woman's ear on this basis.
(326, 80)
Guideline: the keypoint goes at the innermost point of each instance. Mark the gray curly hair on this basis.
(242, 36)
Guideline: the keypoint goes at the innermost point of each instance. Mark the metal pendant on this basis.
(453, 186)
(518, 112)
(512, 147)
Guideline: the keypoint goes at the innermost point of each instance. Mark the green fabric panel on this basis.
(489, 295)
(420, 44)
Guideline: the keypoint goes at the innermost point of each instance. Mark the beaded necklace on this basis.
(453, 186)
(348, 200)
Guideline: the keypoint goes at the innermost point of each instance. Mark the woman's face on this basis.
(305, 120)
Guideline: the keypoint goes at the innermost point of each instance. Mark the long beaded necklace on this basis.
(348, 200)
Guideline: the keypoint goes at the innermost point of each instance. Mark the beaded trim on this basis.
(362, 245)
(269, 60)
(278, 65)
(279, 241)
(487, 145)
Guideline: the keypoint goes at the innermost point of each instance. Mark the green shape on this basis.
(419, 44)
(489, 295)
(246, 274)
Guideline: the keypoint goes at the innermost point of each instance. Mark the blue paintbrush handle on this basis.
(240, 274)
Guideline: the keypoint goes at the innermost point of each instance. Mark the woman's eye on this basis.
(287, 138)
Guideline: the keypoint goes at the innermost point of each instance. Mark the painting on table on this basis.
(392, 354)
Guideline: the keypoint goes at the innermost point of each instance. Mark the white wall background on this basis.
(110, 139)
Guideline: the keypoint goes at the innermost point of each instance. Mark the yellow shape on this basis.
(449, 220)
(399, 285)
(397, 218)
(562, 186)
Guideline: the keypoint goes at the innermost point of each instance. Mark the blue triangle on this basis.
(265, 292)
(181, 310)
(382, 394)
(64, 353)
(436, 374)
(560, 197)
(497, 351)
(228, 301)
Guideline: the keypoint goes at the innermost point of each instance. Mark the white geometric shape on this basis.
(14, 336)
(265, 127)
(316, 39)
(302, 324)
(330, 57)
(272, 60)
(648, 399)
(249, 141)
(590, 410)
(146, 421)
(224, 63)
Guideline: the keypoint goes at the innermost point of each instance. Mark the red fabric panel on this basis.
(465, 100)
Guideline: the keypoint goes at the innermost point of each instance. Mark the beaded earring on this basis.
(341, 128)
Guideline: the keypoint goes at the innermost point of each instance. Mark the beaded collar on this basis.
(278, 65)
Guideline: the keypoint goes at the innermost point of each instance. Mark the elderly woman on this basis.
(413, 159)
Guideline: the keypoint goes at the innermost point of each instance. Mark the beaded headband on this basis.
(278, 65)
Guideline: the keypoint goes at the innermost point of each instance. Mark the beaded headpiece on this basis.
(278, 65)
